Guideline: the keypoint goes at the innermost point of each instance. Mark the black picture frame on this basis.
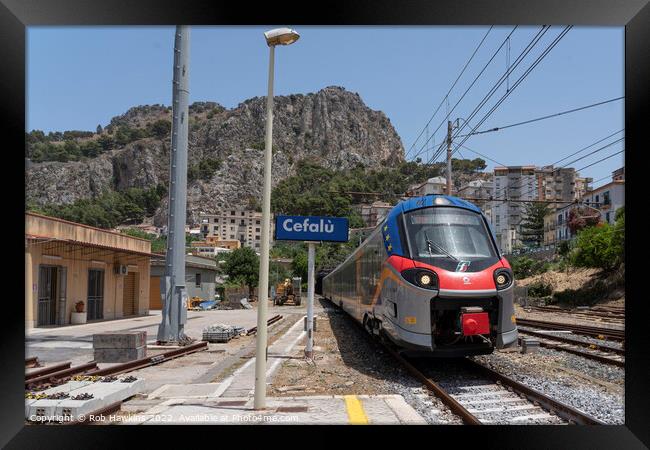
(634, 15)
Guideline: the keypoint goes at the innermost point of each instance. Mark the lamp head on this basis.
(281, 36)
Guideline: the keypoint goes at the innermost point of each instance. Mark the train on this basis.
(431, 279)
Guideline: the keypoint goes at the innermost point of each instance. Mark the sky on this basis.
(79, 77)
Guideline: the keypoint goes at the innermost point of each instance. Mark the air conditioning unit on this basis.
(121, 269)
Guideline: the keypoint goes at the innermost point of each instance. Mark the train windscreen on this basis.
(448, 234)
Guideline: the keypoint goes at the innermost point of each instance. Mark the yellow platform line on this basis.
(356, 413)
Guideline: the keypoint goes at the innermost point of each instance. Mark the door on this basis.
(47, 282)
(62, 282)
(128, 300)
(95, 294)
(155, 302)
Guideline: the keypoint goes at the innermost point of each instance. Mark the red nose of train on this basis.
(478, 323)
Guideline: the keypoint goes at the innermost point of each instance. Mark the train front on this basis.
(447, 290)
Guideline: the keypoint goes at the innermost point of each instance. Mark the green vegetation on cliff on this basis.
(318, 191)
(109, 209)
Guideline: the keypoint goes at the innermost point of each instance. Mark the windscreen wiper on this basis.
(438, 247)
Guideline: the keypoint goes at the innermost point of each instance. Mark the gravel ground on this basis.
(550, 316)
(579, 337)
(587, 385)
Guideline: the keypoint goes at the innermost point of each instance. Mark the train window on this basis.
(448, 233)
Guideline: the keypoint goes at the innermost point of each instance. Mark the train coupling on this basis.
(474, 321)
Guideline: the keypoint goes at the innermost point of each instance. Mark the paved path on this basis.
(242, 382)
(323, 409)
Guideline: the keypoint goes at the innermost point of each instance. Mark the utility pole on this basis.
(311, 259)
(449, 129)
(172, 285)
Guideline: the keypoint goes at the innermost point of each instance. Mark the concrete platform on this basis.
(323, 410)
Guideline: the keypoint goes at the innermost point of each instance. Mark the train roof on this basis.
(433, 200)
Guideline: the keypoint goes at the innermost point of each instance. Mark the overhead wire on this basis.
(446, 97)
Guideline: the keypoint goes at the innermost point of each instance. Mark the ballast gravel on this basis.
(592, 387)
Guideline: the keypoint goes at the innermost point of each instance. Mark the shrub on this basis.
(159, 128)
(539, 289)
(595, 248)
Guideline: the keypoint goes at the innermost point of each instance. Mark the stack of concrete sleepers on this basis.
(120, 347)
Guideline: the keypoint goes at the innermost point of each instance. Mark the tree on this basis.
(99, 129)
(580, 218)
(532, 227)
(299, 265)
(242, 266)
(277, 273)
(601, 246)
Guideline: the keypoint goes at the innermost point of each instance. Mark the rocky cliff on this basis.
(333, 126)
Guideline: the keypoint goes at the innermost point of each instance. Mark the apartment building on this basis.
(242, 225)
(608, 199)
(477, 192)
(516, 183)
(603, 201)
(521, 184)
(435, 185)
(374, 213)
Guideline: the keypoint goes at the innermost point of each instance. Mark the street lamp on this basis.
(278, 36)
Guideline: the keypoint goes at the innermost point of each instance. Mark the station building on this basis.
(200, 278)
(67, 263)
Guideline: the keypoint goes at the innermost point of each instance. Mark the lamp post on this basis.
(278, 36)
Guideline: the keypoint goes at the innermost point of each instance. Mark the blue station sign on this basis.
(311, 228)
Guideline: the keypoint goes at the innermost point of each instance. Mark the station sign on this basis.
(311, 228)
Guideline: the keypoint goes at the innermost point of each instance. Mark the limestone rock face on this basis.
(332, 126)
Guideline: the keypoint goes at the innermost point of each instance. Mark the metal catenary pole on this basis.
(449, 129)
(172, 285)
(261, 341)
(311, 260)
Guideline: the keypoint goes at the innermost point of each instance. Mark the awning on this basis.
(84, 251)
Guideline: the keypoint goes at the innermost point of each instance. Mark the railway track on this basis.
(481, 396)
(588, 313)
(599, 332)
(601, 353)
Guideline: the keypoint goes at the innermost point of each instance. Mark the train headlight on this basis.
(423, 278)
(503, 278)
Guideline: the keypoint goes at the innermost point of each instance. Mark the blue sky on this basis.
(79, 77)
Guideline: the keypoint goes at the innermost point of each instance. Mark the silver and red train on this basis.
(430, 278)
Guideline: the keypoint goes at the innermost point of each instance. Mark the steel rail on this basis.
(561, 409)
(271, 321)
(600, 358)
(32, 362)
(604, 348)
(453, 404)
(49, 369)
(594, 313)
(59, 375)
(610, 333)
(150, 360)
